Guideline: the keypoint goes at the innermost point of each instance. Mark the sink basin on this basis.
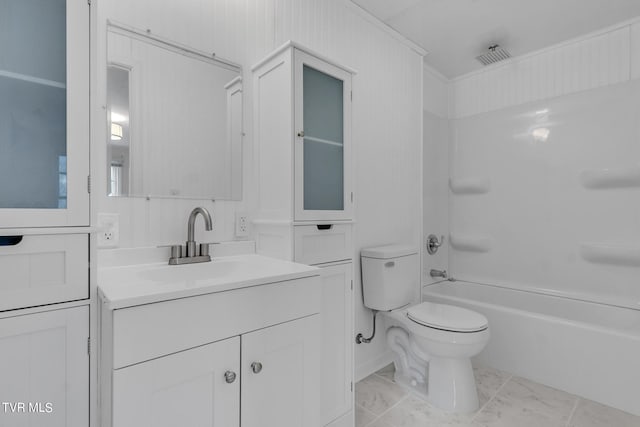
(191, 272)
(147, 283)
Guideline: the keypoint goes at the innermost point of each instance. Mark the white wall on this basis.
(387, 116)
(559, 215)
(435, 170)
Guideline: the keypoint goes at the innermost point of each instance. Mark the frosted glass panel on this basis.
(33, 104)
(323, 141)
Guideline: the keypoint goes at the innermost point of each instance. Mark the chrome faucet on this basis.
(192, 252)
(438, 273)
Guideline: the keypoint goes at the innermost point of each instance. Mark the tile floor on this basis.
(505, 401)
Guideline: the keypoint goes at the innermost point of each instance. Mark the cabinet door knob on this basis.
(256, 367)
(301, 134)
(229, 376)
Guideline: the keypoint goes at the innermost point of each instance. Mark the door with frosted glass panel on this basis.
(44, 113)
(322, 140)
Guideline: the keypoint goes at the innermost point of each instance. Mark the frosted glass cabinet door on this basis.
(44, 113)
(323, 145)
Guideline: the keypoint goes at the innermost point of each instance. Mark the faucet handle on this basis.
(204, 249)
(176, 251)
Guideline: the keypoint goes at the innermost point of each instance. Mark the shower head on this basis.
(493, 55)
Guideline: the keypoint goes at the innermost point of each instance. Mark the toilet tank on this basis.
(390, 276)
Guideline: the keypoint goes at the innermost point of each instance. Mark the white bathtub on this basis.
(589, 349)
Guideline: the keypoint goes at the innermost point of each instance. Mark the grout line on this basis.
(573, 411)
(390, 408)
(366, 410)
(492, 397)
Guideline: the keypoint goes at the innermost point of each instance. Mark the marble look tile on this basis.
(488, 382)
(376, 394)
(415, 412)
(380, 423)
(387, 372)
(363, 417)
(524, 403)
(593, 414)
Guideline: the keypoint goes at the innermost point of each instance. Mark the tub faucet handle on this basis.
(433, 243)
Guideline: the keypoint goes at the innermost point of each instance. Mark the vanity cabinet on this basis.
(245, 357)
(44, 114)
(45, 364)
(302, 118)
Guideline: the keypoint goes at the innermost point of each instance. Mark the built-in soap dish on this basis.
(603, 179)
(470, 243)
(613, 254)
(470, 185)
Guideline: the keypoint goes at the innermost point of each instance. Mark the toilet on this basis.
(432, 343)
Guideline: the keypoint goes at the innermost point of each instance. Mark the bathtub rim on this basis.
(541, 316)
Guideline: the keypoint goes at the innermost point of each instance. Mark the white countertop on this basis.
(131, 285)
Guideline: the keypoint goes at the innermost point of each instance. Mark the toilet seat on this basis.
(447, 317)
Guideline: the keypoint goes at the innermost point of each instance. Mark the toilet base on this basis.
(452, 385)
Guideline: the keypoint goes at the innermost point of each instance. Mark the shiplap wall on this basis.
(602, 59)
(387, 117)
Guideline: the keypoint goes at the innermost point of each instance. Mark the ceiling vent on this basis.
(495, 54)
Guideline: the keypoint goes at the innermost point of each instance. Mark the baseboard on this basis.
(369, 367)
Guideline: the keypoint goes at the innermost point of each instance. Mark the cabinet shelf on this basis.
(32, 79)
(323, 141)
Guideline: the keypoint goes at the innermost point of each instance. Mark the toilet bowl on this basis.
(433, 345)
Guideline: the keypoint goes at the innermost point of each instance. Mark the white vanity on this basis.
(225, 343)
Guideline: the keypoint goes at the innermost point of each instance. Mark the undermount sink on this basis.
(147, 283)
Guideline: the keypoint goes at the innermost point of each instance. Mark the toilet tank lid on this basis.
(388, 251)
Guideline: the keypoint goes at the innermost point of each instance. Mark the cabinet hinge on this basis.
(89, 184)
(89, 346)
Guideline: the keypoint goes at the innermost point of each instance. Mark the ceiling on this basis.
(454, 32)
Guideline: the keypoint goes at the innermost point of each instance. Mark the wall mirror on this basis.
(174, 120)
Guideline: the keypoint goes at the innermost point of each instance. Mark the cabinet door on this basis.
(189, 388)
(337, 341)
(281, 375)
(45, 367)
(44, 113)
(323, 140)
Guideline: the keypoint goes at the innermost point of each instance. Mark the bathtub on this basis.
(588, 349)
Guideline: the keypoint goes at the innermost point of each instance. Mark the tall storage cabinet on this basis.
(44, 213)
(302, 118)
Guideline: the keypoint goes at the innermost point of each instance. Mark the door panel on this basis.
(45, 366)
(285, 391)
(188, 388)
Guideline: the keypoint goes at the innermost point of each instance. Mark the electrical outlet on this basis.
(109, 230)
(242, 224)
